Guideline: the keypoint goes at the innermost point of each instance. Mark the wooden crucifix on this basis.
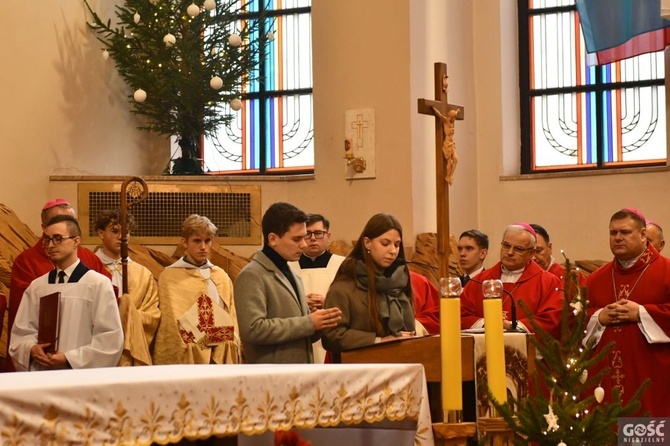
(445, 156)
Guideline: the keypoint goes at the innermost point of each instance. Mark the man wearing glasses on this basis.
(34, 262)
(89, 329)
(523, 280)
(317, 268)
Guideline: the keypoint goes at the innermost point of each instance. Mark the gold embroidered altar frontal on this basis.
(164, 404)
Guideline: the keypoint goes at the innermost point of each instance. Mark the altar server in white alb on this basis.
(90, 333)
(317, 268)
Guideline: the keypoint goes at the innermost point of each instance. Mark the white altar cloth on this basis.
(142, 405)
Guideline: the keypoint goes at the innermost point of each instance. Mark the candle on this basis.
(495, 344)
(450, 347)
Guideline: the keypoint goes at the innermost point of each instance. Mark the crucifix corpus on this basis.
(445, 156)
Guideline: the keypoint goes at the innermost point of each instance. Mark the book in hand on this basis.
(48, 323)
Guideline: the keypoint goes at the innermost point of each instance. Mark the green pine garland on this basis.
(580, 419)
(179, 99)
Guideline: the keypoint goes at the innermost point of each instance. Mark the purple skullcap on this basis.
(54, 203)
(636, 212)
(527, 227)
(650, 222)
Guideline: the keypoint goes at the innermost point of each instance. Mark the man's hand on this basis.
(315, 301)
(620, 312)
(50, 361)
(327, 318)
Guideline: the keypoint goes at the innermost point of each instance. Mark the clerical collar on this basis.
(511, 276)
(551, 263)
(320, 261)
(275, 257)
(475, 272)
(625, 264)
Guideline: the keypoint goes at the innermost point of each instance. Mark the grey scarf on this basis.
(395, 308)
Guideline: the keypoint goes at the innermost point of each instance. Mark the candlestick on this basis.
(495, 343)
(450, 349)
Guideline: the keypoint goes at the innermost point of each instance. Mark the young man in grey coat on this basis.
(275, 323)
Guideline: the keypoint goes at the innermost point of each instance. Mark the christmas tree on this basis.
(183, 62)
(573, 413)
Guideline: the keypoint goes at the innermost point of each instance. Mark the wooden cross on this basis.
(425, 107)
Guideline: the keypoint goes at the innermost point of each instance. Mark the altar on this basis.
(167, 404)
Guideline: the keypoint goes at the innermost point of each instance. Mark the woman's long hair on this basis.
(376, 226)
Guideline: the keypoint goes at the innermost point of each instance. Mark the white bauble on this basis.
(136, 17)
(169, 40)
(235, 40)
(140, 95)
(562, 444)
(216, 82)
(236, 104)
(599, 393)
(105, 54)
(270, 35)
(584, 376)
(193, 10)
(209, 5)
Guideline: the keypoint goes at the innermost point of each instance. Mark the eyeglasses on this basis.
(517, 249)
(57, 239)
(317, 234)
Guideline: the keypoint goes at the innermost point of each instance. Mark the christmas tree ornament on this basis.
(235, 40)
(216, 82)
(599, 393)
(562, 444)
(105, 54)
(169, 40)
(209, 5)
(140, 95)
(271, 36)
(552, 419)
(584, 376)
(193, 10)
(236, 104)
(136, 17)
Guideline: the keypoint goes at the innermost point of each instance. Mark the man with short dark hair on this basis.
(317, 268)
(90, 333)
(139, 305)
(523, 280)
(473, 247)
(629, 304)
(34, 262)
(276, 325)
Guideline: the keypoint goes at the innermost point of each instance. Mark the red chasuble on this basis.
(540, 291)
(633, 358)
(28, 266)
(426, 303)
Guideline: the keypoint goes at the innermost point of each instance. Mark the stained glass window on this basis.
(273, 132)
(579, 117)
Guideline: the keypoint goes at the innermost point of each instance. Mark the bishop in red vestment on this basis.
(523, 280)
(629, 304)
(34, 262)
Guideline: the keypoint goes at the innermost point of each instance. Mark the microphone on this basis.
(513, 318)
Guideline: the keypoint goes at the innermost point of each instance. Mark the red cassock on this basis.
(540, 291)
(633, 358)
(426, 303)
(28, 266)
(559, 271)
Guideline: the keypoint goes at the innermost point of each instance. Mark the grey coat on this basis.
(275, 326)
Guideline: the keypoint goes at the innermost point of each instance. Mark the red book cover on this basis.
(48, 325)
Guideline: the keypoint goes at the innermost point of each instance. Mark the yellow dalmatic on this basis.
(198, 321)
(138, 310)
